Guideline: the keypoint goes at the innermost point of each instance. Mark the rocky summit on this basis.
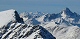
(39, 25)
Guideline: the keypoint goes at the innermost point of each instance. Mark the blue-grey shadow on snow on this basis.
(46, 34)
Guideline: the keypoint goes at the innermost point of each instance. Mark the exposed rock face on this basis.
(17, 17)
(9, 16)
(22, 31)
(13, 27)
(63, 25)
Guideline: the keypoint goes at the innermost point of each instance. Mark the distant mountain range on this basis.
(39, 25)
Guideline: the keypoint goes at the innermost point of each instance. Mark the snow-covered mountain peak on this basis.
(10, 10)
(12, 27)
(9, 16)
(63, 25)
(66, 11)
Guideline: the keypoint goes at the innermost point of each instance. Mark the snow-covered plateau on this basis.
(39, 25)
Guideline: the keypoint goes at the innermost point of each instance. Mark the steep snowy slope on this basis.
(63, 31)
(22, 31)
(12, 27)
(63, 25)
(9, 16)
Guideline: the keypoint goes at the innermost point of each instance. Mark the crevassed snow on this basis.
(6, 17)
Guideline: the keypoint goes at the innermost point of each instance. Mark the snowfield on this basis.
(9, 16)
(12, 27)
(39, 25)
(6, 17)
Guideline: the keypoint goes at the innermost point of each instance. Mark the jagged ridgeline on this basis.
(63, 25)
(13, 27)
(39, 25)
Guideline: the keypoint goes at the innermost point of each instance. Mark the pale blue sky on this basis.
(50, 6)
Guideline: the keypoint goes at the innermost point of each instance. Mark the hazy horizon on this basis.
(47, 6)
